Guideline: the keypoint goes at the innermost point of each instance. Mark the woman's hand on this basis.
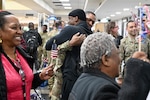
(77, 39)
(46, 73)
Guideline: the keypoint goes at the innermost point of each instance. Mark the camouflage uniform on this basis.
(53, 32)
(56, 89)
(50, 35)
(42, 53)
(128, 46)
(52, 79)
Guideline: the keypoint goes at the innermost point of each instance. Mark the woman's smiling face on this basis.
(11, 32)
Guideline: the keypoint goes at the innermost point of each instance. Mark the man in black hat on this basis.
(71, 63)
(75, 15)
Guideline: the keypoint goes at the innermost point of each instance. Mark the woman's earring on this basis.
(1, 41)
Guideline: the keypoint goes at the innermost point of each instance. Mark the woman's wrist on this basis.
(41, 76)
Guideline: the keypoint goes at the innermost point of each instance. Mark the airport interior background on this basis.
(47, 11)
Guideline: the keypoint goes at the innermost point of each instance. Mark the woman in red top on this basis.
(16, 76)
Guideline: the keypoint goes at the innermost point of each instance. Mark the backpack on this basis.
(31, 39)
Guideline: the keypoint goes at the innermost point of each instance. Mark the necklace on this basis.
(17, 66)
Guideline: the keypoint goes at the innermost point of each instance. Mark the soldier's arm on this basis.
(64, 35)
(64, 46)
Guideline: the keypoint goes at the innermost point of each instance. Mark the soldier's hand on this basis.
(77, 39)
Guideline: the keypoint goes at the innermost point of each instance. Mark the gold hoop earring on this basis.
(1, 41)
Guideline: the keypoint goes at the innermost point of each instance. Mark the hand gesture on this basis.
(140, 55)
(46, 73)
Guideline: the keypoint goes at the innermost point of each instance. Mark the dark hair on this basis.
(2, 18)
(110, 25)
(90, 12)
(31, 25)
(129, 22)
(79, 13)
(45, 26)
(58, 23)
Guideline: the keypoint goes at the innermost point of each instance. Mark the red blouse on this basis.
(14, 81)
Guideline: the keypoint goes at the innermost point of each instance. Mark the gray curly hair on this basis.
(94, 47)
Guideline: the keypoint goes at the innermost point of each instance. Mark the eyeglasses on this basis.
(88, 19)
(116, 27)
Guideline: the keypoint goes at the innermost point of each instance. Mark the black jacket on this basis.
(34, 32)
(95, 85)
(136, 83)
(67, 33)
(117, 40)
(71, 62)
(3, 88)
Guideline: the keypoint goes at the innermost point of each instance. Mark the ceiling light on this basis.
(118, 13)
(66, 4)
(126, 9)
(124, 20)
(64, 0)
(137, 7)
(104, 20)
(112, 15)
(67, 7)
(107, 17)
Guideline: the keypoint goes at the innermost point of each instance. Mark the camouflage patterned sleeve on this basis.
(122, 50)
(64, 47)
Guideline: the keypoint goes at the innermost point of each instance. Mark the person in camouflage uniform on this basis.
(56, 88)
(42, 53)
(76, 40)
(130, 44)
(56, 29)
(66, 46)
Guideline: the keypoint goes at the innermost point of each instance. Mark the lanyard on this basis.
(17, 66)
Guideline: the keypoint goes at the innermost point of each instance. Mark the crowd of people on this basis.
(87, 66)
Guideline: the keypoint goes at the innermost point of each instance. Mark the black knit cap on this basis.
(78, 12)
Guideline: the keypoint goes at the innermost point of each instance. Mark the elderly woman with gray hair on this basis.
(100, 61)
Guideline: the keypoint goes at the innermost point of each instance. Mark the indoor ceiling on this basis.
(102, 8)
(51, 7)
(110, 7)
